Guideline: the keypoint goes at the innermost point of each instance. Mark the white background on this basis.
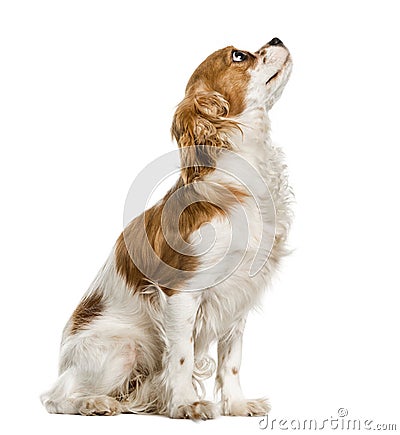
(87, 93)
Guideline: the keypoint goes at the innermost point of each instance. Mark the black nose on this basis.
(275, 41)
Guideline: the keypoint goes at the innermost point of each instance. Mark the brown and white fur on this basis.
(138, 341)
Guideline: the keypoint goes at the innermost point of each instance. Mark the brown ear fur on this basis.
(200, 127)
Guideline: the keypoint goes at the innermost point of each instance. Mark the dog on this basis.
(186, 272)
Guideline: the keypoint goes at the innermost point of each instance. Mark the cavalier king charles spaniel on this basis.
(186, 272)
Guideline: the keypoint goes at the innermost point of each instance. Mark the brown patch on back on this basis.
(90, 307)
(153, 250)
(235, 371)
(181, 361)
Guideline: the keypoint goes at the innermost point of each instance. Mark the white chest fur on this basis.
(239, 252)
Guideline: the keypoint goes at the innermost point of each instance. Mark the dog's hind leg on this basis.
(63, 398)
(96, 374)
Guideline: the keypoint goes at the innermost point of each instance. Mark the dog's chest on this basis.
(234, 265)
(232, 271)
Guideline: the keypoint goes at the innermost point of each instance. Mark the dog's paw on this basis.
(246, 408)
(101, 405)
(200, 410)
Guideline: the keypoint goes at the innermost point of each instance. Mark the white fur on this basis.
(152, 344)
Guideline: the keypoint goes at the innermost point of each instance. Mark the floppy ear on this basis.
(200, 127)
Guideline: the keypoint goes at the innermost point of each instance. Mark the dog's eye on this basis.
(238, 56)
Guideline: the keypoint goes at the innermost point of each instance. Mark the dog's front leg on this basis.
(227, 379)
(181, 398)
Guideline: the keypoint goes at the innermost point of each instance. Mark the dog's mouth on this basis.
(272, 78)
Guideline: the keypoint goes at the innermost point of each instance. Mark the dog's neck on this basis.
(246, 165)
(253, 143)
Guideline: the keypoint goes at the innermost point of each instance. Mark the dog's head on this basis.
(227, 84)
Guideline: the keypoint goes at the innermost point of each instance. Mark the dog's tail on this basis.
(204, 368)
